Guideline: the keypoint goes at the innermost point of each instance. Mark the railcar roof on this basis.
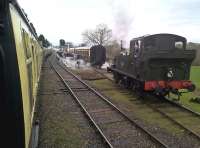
(24, 17)
(160, 34)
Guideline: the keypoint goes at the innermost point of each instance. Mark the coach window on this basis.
(27, 49)
(26, 44)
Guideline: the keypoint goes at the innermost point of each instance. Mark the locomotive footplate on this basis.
(164, 88)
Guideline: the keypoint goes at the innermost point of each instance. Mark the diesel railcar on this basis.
(20, 64)
(158, 63)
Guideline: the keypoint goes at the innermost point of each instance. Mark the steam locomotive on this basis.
(20, 62)
(158, 63)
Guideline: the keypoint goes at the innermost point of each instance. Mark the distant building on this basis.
(83, 51)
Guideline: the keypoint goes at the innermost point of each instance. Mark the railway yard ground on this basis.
(96, 112)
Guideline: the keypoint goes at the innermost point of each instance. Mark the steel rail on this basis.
(117, 109)
(182, 107)
(83, 108)
(175, 121)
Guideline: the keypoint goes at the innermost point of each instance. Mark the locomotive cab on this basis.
(136, 47)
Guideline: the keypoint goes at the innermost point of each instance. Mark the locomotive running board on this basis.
(121, 72)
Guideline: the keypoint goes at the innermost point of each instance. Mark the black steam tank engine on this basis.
(157, 63)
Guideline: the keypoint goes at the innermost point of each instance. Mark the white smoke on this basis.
(123, 19)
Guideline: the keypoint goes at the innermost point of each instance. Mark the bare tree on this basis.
(100, 36)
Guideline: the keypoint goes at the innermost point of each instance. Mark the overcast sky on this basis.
(67, 19)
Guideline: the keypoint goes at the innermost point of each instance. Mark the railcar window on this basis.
(29, 68)
(26, 43)
(27, 49)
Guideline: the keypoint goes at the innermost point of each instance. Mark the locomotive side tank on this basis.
(159, 63)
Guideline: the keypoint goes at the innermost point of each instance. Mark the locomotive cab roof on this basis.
(161, 41)
(160, 35)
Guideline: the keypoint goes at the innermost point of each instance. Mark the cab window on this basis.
(137, 48)
(179, 45)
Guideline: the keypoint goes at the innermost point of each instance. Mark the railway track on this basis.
(168, 100)
(114, 126)
(169, 112)
(60, 115)
(178, 114)
(181, 115)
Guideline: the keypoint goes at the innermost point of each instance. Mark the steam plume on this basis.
(123, 19)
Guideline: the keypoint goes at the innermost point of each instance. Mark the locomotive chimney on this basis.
(122, 45)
